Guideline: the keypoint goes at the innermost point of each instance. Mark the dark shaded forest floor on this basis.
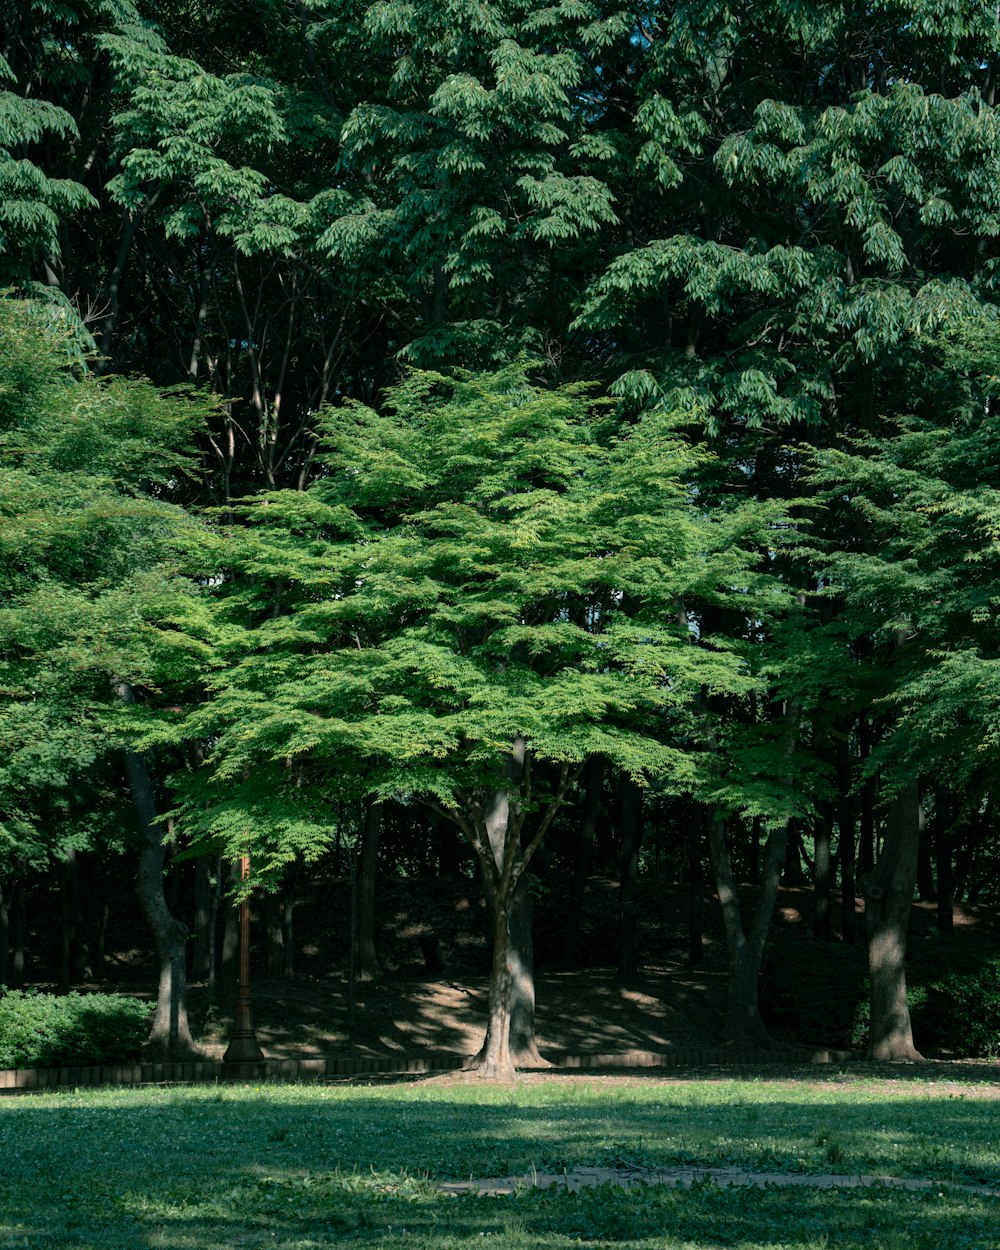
(410, 1011)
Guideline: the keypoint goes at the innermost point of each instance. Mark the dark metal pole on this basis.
(243, 1057)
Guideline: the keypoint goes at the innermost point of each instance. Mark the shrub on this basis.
(817, 993)
(48, 1030)
(962, 1011)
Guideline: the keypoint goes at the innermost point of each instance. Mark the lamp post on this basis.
(244, 1057)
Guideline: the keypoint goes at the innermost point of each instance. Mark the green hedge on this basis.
(49, 1030)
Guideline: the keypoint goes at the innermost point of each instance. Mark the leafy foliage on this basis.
(49, 1030)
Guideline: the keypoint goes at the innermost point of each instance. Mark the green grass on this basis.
(302, 1167)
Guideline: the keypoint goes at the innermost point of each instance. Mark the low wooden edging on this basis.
(18, 1080)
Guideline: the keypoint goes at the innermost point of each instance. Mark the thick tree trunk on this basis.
(629, 839)
(494, 1060)
(888, 895)
(170, 1036)
(521, 973)
(368, 967)
(792, 872)
(583, 859)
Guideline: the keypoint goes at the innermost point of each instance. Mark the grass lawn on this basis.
(301, 1167)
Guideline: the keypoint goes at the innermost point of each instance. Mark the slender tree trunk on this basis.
(696, 888)
(368, 967)
(888, 894)
(4, 933)
(753, 859)
(75, 963)
(845, 823)
(19, 906)
(925, 872)
(201, 955)
(629, 839)
(170, 1035)
(943, 845)
(275, 937)
(792, 873)
(584, 857)
(866, 848)
(743, 1024)
(288, 918)
(822, 874)
(229, 963)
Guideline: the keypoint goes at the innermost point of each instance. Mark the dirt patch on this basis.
(670, 1007)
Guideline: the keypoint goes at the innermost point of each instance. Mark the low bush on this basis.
(962, 1011)
(49, 1030)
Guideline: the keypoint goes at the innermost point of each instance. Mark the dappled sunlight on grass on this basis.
(302, 1167)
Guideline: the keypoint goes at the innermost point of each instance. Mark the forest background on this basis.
(555, 429)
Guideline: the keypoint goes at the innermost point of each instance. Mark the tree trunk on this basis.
(822, 874)
(368, 967)
(943, 845)
(888, 895)
(629, 839)
(202, 949)
(583, 859)
(866, 847)
(287, 919)
(229, 963)
(925, 872)
(494, 1060)
(275, 937)
(846, 850)
(696, 887)
(4, 933)
(19, 906)
(521, 974)
(170, 1036)
(743, 1024)
(792, 873)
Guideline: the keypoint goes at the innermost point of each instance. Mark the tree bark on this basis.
(170, 1035)
(368, 966)
(521, 972)
(495, 833)
(888, 895)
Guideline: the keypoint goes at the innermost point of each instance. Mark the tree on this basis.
(91, 601)
(478, 595)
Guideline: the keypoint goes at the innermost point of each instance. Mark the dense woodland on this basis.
(542, 437)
